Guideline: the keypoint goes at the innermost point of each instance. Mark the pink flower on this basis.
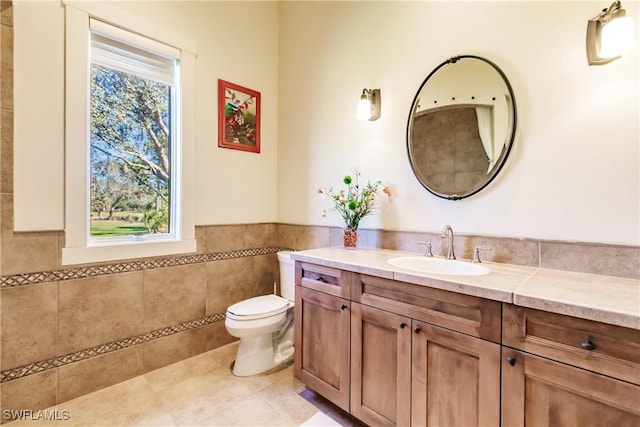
(387, 191)
(320, 190)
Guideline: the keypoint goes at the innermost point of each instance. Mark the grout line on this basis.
(281, 411)
(539, 254)
(57, 395)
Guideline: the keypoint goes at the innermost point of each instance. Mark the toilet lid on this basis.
(264, 305)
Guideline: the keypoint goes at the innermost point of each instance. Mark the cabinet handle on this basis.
(344, 307)
(588, 345)
(511, 360)
(417, 329)
(402, 325)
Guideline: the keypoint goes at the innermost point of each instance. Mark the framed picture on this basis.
(238, 117)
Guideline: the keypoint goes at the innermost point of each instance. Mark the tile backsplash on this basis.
(604, 259)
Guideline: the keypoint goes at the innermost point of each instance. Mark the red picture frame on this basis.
(238, 117)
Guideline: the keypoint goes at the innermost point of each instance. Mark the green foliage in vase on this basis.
(355, 201)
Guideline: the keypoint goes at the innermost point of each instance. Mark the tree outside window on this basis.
(130, 154)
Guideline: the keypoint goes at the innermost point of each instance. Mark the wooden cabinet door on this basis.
(322, 344)
(380, 366)
(542, 392)
(455, 378)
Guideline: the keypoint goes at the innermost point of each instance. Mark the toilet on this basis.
(264, 325)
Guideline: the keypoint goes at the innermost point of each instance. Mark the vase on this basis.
(350, 238)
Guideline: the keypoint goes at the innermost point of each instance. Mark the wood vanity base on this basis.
(398, 354)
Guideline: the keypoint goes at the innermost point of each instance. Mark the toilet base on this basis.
(255, 355)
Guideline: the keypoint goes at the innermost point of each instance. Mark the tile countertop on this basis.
(605, 299)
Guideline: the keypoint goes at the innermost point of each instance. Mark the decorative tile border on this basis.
(123, 267)
(45, 365)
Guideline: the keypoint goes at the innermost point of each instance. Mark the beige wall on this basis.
(574, 171)
(567, 175)
(237, 42)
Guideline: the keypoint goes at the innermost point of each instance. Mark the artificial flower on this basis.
(354, 202)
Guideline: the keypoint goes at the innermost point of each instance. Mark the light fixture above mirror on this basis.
(369, 105)
(610, 34)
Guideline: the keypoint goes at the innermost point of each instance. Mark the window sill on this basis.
(94, 254)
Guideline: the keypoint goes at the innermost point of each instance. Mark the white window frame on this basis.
(79, 249)
(104, 56)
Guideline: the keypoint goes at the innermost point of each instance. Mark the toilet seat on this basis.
(258, 307)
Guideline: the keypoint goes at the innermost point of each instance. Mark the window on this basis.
(129, 160)
(133, 98)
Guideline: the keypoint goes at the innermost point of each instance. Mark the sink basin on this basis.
(439, 266)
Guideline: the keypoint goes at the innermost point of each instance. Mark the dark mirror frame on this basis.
(508, 142)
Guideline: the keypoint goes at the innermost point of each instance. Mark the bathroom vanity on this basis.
(516, 346)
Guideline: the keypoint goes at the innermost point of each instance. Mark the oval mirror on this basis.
(461, 127)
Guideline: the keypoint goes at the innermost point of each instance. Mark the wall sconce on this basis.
(609, 35)
(369, 105)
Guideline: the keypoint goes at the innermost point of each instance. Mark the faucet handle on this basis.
(427, 251)
(476, 253)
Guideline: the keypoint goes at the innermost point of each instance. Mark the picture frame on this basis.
(238, 117)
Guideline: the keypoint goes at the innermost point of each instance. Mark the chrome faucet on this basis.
(447, 232)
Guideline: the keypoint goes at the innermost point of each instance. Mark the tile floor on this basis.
(199, 391)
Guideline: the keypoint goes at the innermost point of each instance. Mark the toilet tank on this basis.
(287, 275)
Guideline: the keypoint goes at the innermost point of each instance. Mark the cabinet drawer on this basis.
(599, 347)
(464, 313)
(325, 279)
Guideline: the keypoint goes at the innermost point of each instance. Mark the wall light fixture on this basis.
(369, 105)
(610, 34)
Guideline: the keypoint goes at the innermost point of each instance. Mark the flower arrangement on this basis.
(354, 202)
